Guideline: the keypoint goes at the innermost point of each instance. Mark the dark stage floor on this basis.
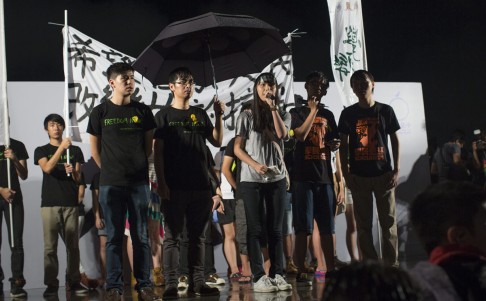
(230, 291)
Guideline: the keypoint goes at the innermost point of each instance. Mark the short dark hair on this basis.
(369, 281)
(319, 75)
(118, 68)
(443, 205)
(182, 73)
(361, 75)
(55, 118)
(457, 135)
(245, 106)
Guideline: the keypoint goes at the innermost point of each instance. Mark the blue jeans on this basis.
(253, 195)
(115, 202)
(313, 201)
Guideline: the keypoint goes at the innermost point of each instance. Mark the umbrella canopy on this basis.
(235, 45)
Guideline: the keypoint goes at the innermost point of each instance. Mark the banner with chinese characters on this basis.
(348, 50)
(88, 85)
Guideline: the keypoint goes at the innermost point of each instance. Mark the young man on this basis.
(447, 163)
(121, 140)
(366, 165)
(59, 207)
(450, 220)
(184, 186)
(17, 154)
(316, 133)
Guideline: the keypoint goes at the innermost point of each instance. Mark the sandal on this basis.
(245, 279)
(235, 276)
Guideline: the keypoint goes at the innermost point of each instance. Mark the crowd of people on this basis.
(283, 173)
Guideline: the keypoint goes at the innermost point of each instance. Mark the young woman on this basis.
(259, 145)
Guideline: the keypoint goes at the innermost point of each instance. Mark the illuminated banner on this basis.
(348, 51)
(88, 86)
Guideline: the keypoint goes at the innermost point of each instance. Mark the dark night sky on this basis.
(440, 43)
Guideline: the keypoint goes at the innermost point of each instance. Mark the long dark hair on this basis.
(262, 116)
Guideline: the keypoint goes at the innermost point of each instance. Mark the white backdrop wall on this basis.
(30, 102)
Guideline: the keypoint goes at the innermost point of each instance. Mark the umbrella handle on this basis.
(212, 65)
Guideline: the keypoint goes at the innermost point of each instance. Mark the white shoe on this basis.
(281, 284)
(265, 285)
(183, 283)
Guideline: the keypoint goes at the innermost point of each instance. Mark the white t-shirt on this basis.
(225, 185)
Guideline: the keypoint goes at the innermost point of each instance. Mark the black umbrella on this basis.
(215, 47)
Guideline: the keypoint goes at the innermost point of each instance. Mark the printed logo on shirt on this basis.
(368, 145)
(125, 123)
(314, 145)
(125, 120)
(190, 125)
(62, 159)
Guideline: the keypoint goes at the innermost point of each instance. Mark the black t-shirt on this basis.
(122, 132)
(184, 133)
(21, 154)
(368, 131)
(230, 152)
(58, 189)
(95, 182)
(312, 159)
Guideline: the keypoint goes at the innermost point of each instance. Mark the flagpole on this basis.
(5, 109)
(66, 80)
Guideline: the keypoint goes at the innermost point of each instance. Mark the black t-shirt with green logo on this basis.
(122, 132)
(184, 133)
(21, 154)
(59, 189)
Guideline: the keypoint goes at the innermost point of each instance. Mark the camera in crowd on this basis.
(480, 143)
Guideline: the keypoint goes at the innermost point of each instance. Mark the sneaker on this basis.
(18, 292)
(302, 279)
(183, 283)
(77, 289)
(281, 284)
(113, 295)
(264, 285)
(147, 294)
(158, 277)
(50, 291)
(203, 291)
(88, 283)
(170, 292)
(338, 263)
(213, 279)
(291, 268)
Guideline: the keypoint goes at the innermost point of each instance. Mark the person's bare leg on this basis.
(351, 233)
(102, 279)
(317, 249)
(266, 261)
(229, 248)
(301, 242)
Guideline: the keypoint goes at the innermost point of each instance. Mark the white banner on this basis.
(88, 86)
(348, 50)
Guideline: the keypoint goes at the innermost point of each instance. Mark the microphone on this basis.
(271, 96)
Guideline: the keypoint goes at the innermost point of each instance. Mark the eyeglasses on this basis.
(186, 82)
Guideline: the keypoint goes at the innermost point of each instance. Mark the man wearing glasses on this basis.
(181, 164)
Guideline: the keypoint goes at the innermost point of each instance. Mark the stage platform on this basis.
(229, 292)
